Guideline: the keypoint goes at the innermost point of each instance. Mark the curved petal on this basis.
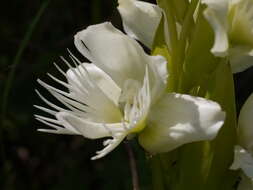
(241, 58)
(102, 80)
(245, 183)
(61, 131)
(91, 130)
(216, 13)
(243, 160)
(113, 52)
(84, 89)
(87, 128)
(56, 125)
(158, 76)
(245, 127)
(109, 144)
(140, 19)
(178, 119)
(123, 55)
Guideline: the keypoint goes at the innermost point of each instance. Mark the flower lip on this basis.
(178, 119)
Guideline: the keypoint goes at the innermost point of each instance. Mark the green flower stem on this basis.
(186, 27)
(191, 159)
(221, 88)
(178, 46)
(180, 9)
(168, 8)
(161, 48)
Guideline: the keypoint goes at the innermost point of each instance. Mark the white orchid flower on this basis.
(243, 158)
(232, 22)
(140, 19)
(121, 93)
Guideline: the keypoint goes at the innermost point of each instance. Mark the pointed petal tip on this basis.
(45, 130)
(147, 16)
(96, 157)
(219, 52)
(36, 106)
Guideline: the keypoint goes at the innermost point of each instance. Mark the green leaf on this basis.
(180, 7)
(160, 47)
(220, 88)
(170, 17)
(199, 61)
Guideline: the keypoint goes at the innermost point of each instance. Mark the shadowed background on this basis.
(33, 160)
(38, 161)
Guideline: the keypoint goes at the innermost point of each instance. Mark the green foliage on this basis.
(194, 70)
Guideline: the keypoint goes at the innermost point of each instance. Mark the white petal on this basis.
(56, 125)
(104, 82)
(140, 19)
(158, 76)
(109, 144)
(178, 119)
(137, 111)
(243, 160)
(245, 125)
(122, 56)
(112, 51)
(57, 131)
(241, 58)
(89, 129)
(85, 99)
(85, 88)
(245, 183)
(74, 125)
(216, 13)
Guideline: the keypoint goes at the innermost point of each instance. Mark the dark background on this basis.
(38, 161)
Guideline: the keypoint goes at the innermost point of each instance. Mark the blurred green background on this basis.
(38, 161)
